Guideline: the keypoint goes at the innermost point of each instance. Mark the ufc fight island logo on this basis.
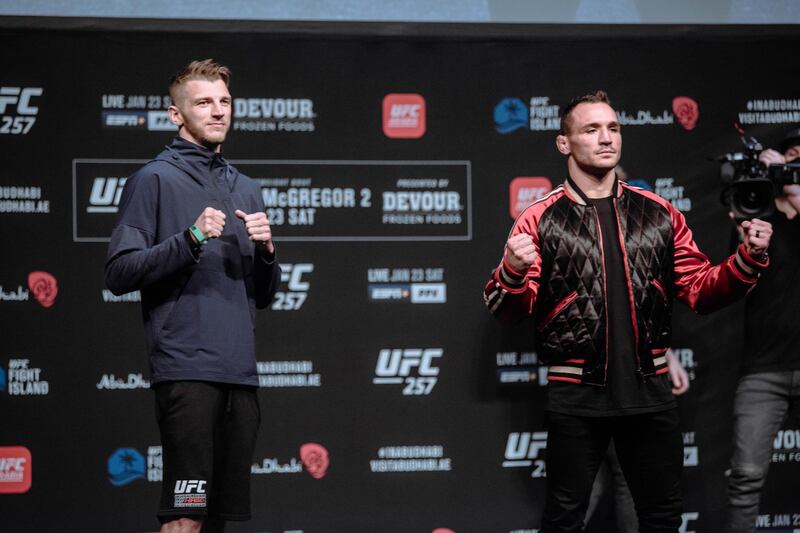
(190, 493)
(17, 112)
(413, 367)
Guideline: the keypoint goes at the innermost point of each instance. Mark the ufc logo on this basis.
(405, 110)
(531, 194)
(525, 445)
(21, 97)
(187, 486)
(401, 362)
(292, 275)
(12, 464)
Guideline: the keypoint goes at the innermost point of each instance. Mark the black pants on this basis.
(650, 451)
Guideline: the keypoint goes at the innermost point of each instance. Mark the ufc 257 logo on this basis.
(413, 367)
(21, 120)
(522, 450)
(293, 298)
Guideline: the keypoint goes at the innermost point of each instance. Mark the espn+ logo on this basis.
(522, 450)
(296, 293)
(413, 367)
(21, 121)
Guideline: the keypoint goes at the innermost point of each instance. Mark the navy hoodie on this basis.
(198, 306)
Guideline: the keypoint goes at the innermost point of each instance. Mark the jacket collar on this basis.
(575, 193)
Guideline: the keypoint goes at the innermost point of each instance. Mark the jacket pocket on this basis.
(554, 312)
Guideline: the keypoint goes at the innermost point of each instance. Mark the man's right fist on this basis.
(520, 252)
(210, 222)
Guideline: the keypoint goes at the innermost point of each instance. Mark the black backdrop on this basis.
(426, 412)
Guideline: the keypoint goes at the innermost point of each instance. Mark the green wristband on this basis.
(199, 235)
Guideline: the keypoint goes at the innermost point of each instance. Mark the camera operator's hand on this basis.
(771, 157)
(756, 234)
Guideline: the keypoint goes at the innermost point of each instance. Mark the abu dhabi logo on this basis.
(315, 458)
(687, 111)
(510, 114)
(125, 466)
(44, 287)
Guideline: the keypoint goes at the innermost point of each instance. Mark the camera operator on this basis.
(770, 382)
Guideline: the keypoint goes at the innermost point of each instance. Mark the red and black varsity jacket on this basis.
(564, 289)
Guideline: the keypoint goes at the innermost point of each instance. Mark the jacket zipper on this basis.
(632, 307)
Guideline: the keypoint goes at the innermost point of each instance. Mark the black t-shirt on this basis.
(625, 392)
(772, 311)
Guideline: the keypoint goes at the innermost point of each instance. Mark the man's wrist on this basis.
(197, 236)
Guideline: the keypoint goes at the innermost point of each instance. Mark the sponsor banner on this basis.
(524, 450)
(23, 199)
(412, 285)
(691, 456)
(314, 459)
(524, 191)
(313, 200)
(287, 374)
(129, 382)
(778, 523)
(136, 111)
(786, 446)
(520, 368)
(127, 465)
(414, 368)
(404, 116)
(16, 469)
(264, 115)
(18, 109)
(770, 111)
(413, 458)
(365, 200)
(295, 279)
(24, 379)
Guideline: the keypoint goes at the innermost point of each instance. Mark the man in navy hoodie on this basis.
(193, 237)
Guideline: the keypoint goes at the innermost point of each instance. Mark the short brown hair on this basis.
(597, 97)
(207, 69)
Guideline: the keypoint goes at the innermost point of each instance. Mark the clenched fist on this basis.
(211, 222)
(520, 252)
(258, 229)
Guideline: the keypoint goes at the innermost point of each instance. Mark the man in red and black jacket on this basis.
(597, 264)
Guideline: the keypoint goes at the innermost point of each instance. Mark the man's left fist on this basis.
(258, 229)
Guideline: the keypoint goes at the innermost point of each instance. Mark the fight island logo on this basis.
(126, 465)
(539, 114)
